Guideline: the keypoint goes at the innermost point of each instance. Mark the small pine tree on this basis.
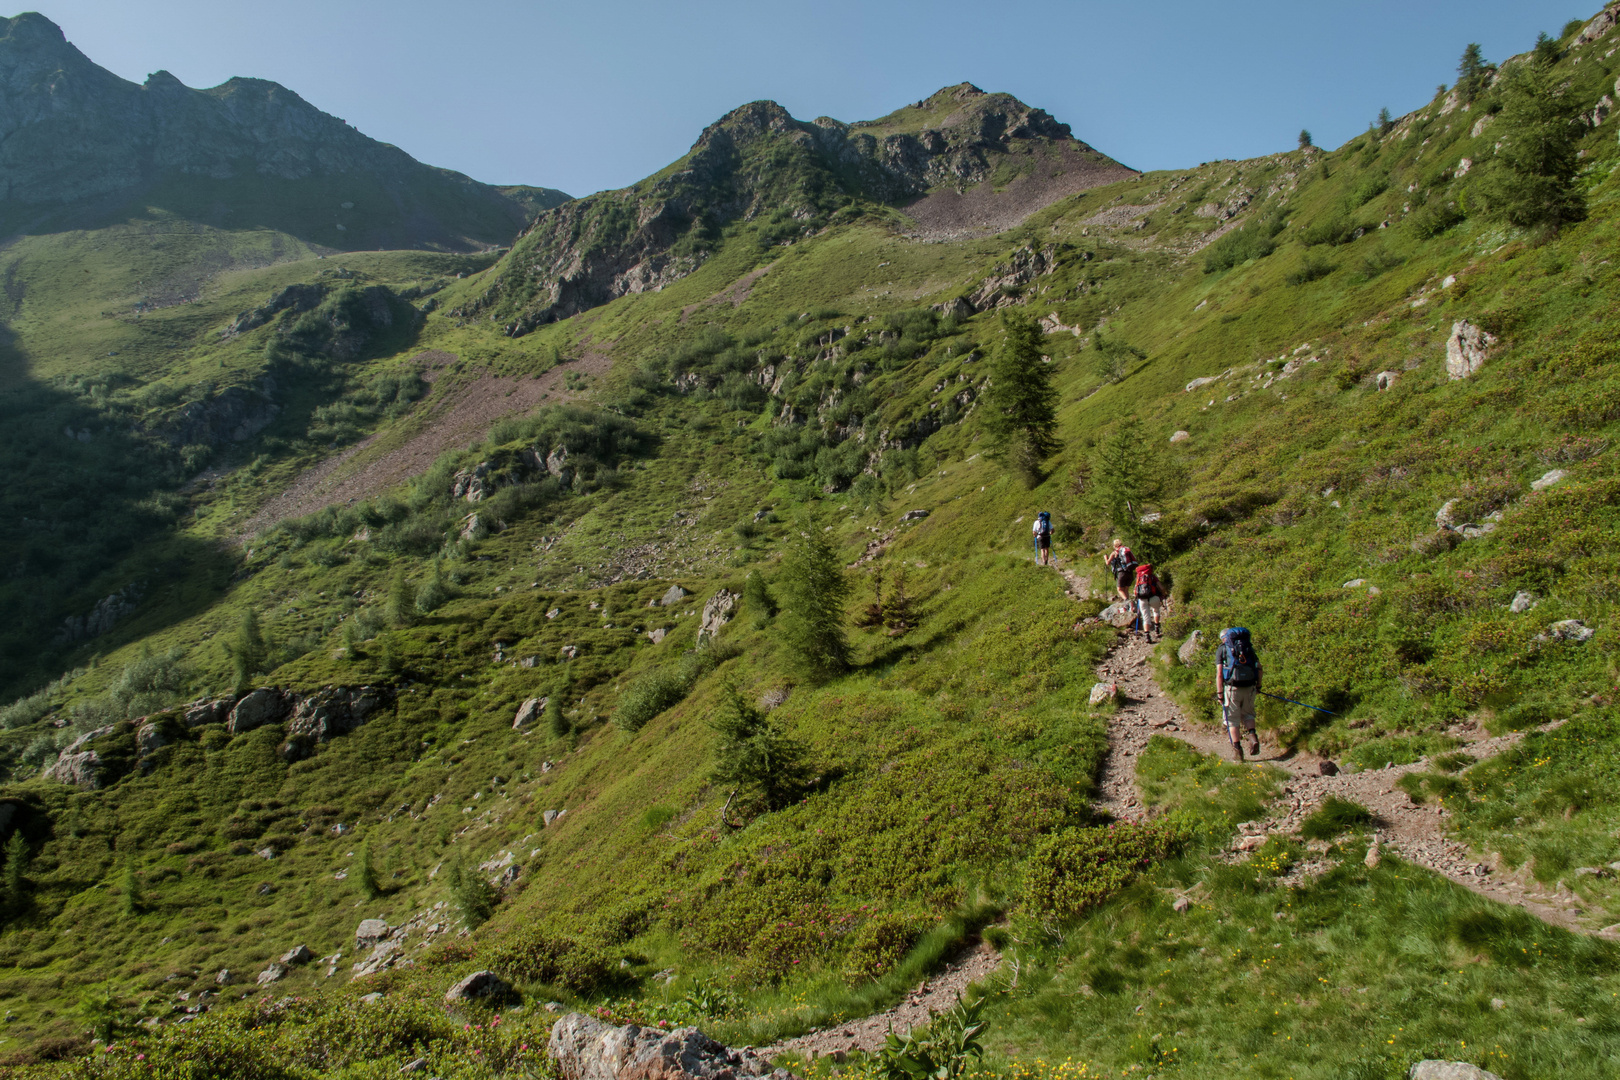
(1126, 477)
(898, 607)
(473, 897)
(247, 650)
(129, 888)
(1385, 121)
(1472, 73)
(1532, 180)
(560, 727)
(432, 593)
(754, 752)
(366, 873)
(401, 608)
(1305, 142)
(1021, 403)
(757, 599)
(815, 591)
(16, 870)
(1111, 360)
(1547, 50)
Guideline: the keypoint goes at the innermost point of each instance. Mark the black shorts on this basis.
(1126, 580)
(1044, 542)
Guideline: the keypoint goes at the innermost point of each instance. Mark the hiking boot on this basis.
(1237, 751)
(1254, 745)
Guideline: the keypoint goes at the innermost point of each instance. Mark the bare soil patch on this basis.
(982, 210)
(734, 294)
(461, 417)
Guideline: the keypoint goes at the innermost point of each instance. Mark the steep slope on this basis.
(80, 146)
(946, 159)
(1325, 392)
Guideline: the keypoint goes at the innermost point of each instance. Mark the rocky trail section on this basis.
(1414, 832)
(979, 961)
(459, 419)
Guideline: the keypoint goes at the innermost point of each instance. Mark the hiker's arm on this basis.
(1220, 684)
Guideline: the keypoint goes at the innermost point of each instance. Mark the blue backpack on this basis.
(1043, 524)
(1239, 665)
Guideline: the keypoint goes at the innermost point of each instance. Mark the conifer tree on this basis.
(401, 607)
(1385, 121)
(1532, 181)
(1021, 404)
(1126, 478)
(1472, 72)
(754, 752)
(247, 650)
(16, 870)
(814, 591)
(1305, 140)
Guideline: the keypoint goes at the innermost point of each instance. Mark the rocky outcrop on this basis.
(296, 298)
(716, 613)
(370, 932)
(586, 1048)
(107, 613)
(1435, 1069)
(327, 713)
(235, 414)
(1466, 349)
(1006, 283)
(74, 135)
(81, 770)
(263, 706)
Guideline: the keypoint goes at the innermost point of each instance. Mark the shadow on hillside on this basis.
(356, 212)
(88, 543)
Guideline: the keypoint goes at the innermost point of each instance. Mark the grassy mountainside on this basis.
(942, 784)
(82, 148)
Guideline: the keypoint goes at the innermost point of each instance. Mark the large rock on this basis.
(328, 712)
(479, 986)
(1190, 647)
(384, 955)
(263, 706)
(586, 1048)
(298, 954)
(1120, 613)
(273, 973)
(716, 613)
(1466, 349)
(1434, 1069)
(1102, 693)
(674, 596)
(370, 932)
(530, 711)
(1548, 479)
(81, 769)
(913, 515)
(149, 737)
(1568, 630)
(203, 712)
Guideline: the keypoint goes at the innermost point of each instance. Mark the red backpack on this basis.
(1147, 583)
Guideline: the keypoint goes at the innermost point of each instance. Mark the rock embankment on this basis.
(586, 1048)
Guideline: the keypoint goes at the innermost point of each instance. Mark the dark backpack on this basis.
(1043, 524)
(1147, 583)
(1123, 561)
(1239, 665)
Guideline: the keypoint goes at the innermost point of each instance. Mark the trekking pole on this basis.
(1301, 704)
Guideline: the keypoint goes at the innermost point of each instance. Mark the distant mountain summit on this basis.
(78, 143)
(960, 163)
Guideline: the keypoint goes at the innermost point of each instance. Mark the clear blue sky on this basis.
(587, 96)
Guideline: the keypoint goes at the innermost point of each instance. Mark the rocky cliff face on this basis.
(759, 162)
(73, 134)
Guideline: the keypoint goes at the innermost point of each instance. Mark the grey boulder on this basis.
(1433, 1069)
(479, 986)
(370, 932)
(586, 1048)
(716, 613)
(263, 706)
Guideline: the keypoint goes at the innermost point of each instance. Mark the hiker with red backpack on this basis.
(1237, 685)
(1122, 564)
(1150, 597)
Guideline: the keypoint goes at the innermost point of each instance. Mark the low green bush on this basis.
(1076, 869)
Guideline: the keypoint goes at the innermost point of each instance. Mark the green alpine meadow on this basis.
(454, 630)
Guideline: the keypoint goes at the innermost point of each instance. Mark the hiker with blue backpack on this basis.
(1237, 686)
(1043, 538)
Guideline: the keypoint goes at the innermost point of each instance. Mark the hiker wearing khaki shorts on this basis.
(1237, 686)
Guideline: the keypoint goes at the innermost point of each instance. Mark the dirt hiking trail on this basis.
(1414, 832)
(975, 962)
